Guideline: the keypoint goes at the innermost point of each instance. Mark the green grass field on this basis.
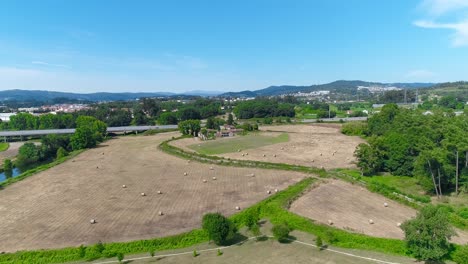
(228, 145)
(4, 146)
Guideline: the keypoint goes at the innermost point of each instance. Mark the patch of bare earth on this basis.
(317, 145)
(53, 209)
(351, 207)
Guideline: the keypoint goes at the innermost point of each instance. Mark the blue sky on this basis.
(175, 46)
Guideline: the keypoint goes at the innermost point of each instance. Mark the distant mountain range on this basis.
(337, 86)
(37, 95)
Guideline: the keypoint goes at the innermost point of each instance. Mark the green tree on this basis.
(29, 153)
(218, 227)
(210, 123)
(230, 120)
(89, 132)
(281, 232)
(7, 165)
(428, 234)
(168, 118)
(189, 113)
(190, 127)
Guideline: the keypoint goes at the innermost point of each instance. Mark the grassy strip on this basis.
(170, 149)
(38, 169)
(4, 146)
(232, 145)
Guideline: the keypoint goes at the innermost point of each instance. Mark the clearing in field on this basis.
(53, 209)
(226, 145)
(318, 145)
(351, 207)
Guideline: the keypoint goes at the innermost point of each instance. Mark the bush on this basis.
(61, 152)
(120, 257)
(281, 232)
(218, 227)
(461, 255)
(318, 242)
(354, 128)
(252, 218)
(7, 165)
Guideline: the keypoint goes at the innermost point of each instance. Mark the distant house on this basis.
(228, 131)
(5, 117)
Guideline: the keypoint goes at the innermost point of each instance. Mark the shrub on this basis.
(461, 255)
(219, 252)
(61, 152)
(152, 252)
(318, 242)
(120, 257)
(218, 227)
(7, 165)
(195, 254)
(252, 217)
(82, 251)
(281, 232)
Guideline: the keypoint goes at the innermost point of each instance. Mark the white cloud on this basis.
(438, 8)
(49, 64)
(459, 38)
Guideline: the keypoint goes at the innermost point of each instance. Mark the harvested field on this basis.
(351, 207)
(314, 145)
(53, 209)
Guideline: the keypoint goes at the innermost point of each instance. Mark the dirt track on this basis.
(351, 207)
(309, 145)
(53, 209)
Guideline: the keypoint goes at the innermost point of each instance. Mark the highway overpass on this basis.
(20, 133)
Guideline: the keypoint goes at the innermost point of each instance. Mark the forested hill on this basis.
(37, 95)
(42, 96)
(342, 86)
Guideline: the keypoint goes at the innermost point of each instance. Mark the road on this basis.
(335, 119)
(72, 130)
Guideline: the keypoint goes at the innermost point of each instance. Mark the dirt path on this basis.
(53, 209)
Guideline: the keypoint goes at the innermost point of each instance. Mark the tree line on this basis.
(433, 147)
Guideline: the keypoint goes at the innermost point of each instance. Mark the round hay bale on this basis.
(159, 192)
(330, 222)
(276, 190)
(97, 167)
(252, 175)
(264, 155)
(143, 194)
(320, 154)
(398, 224)
(246, 154)
(238, 150)
(385, 204)
(185, 173)
(237, 208)
(204, 180)
(160, 213)
(211, 168)
(92, 221)
(333, 154)
(242, 155)
(274, 155)
(73, 160)
(268, 191)
(103, 153)
(214, 178)
(313, 160)
(124, 186)
(282, 148)
(371, 221)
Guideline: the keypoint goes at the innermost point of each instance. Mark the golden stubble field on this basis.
(53, 209)
(315, 145)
